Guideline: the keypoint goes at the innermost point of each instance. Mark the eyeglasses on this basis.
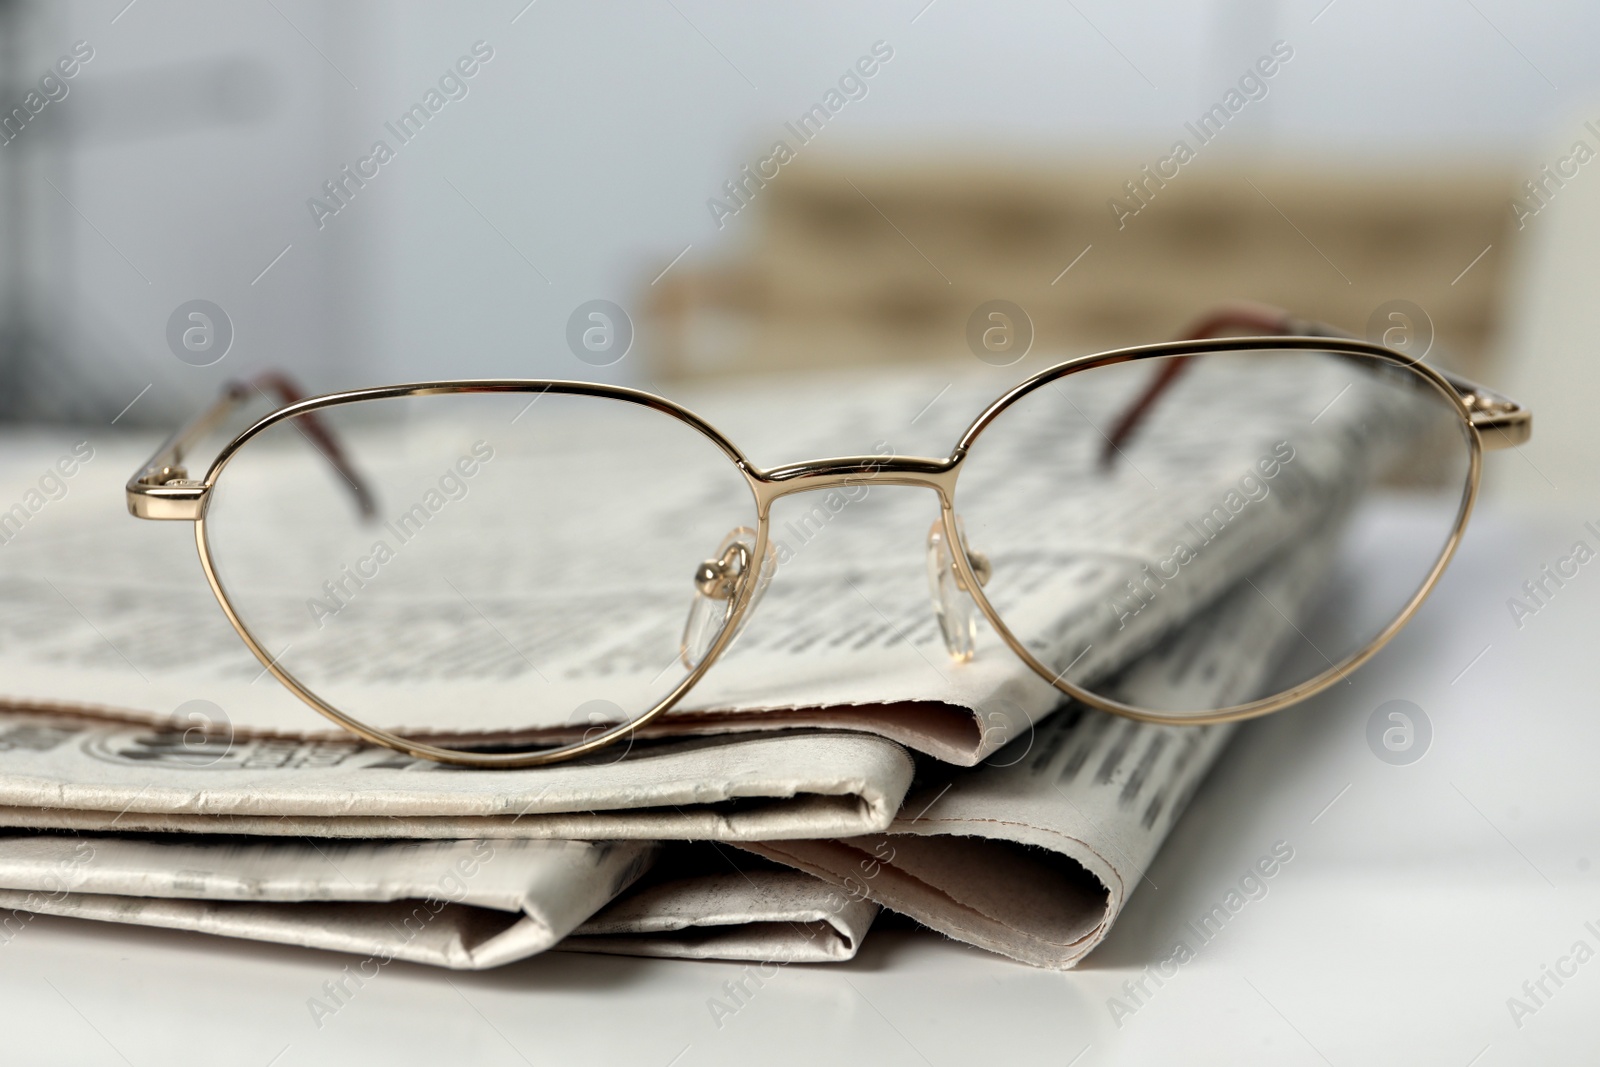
(459, 569)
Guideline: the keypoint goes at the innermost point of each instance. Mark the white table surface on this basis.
(1416, 904)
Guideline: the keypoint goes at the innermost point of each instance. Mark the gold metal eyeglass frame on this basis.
(162, 489)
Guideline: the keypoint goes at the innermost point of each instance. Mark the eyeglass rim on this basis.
(624, 731)
(772, 483)
(1451, 390)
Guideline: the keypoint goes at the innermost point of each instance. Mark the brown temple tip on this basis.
(288, 391)
(1233, 315)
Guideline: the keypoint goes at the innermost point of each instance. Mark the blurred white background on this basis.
(580, 162)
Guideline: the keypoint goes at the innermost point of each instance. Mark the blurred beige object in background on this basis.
(1553, 324)
(857, 261)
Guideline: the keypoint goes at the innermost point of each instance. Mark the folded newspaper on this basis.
(84, 773)
(466, 905)
(703, 902)
(460, 904)
(1032, 855)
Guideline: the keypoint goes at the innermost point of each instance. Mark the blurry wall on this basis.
(579, 160)
(158, 175)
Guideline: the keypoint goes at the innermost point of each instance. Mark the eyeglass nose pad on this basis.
(952, 603)
(718, 583)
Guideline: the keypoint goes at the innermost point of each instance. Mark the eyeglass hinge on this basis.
(1500, 422)
(165, 493)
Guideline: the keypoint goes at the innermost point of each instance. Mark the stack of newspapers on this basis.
(835, 763)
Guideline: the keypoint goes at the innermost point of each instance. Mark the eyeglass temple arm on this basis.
(1501, 421)
(162, 489)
